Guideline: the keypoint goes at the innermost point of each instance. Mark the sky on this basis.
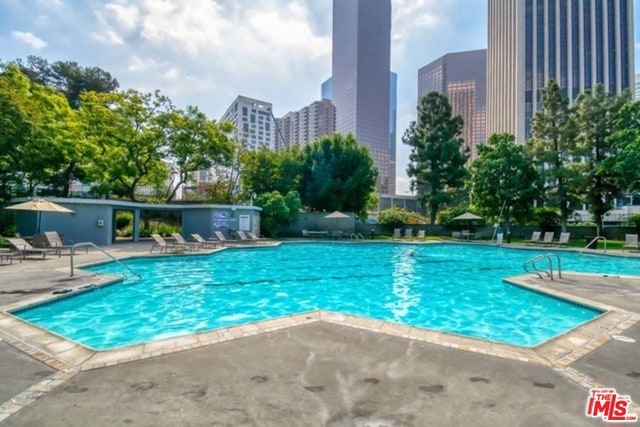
(206, 52)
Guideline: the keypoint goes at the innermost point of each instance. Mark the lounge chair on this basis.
(250, 238)
(259, 239)
(159, 242)
(631, 242)
(179, 240)
(466, 234)
(8, 256)
(397, 233)
(53, 240)
(408, 233)
(207, 244)
(421, 234)
(547, 239)
(456, 235)
(25, 249)
(223, 240)
(535, 238)
(564, 239)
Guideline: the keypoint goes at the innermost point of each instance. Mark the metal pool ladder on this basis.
(93, 245)
(531, 267)
(595, 240)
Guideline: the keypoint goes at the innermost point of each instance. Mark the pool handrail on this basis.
(93, 245)
(597, 238)
(535, 269)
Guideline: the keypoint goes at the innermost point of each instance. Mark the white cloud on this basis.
(108, 36)
(29, 38)
(171, 74)
(126, 16)
(138, 64)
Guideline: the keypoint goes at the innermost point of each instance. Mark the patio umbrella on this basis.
(39, 205)
(336, 215)
(467, 216)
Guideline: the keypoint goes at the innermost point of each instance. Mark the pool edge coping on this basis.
(65, 354)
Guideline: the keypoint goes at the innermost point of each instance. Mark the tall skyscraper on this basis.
(462, 77)
(360, 79)
(637, 91)
(254, 122)
(308, 124)
(580, 43)
(326, 92)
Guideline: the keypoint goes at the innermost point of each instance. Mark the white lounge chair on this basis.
(548, 238)
(630, 242)
(535, 238)
(564, 239)
(53, 240)
(25, 249)
(159, 242)
(421, 234)
(408, 233)
(397, 233)
(179, 240)
(207, 244)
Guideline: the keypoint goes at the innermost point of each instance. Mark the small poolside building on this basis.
(94, 220)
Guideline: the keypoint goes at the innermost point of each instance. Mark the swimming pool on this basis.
(446, 287)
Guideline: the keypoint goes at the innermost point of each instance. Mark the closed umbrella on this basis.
(39, 205)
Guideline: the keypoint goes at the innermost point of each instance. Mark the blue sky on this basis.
(205, 52)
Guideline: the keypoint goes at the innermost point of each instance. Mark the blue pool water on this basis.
(451, 288)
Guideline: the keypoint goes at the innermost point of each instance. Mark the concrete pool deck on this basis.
(316, 368)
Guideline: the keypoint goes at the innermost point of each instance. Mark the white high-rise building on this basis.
(580, 43)
(254, 122)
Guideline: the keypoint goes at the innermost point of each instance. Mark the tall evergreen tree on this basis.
(553, 146)
(626, 143)
(436, 163)
(595, 111)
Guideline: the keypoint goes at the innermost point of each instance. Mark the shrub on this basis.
(547, 218)
(123, 219)
(393, 217)
(635, 220)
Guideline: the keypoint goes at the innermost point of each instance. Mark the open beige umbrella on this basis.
(467, 216)
(337, 215)
(39, 205)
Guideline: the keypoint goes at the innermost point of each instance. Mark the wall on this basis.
(316, 221)
(80, 226)
(227, 220)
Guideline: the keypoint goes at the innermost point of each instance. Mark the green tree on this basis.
(553, 145)
(337, 175)
(625, 140)
(278, 211)
(266, 170)
(68, 77)
(436, 162)
(130, 136)
(503, 175)
(260, 171)
(194, 143)
(594, 112)
(40, 135)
